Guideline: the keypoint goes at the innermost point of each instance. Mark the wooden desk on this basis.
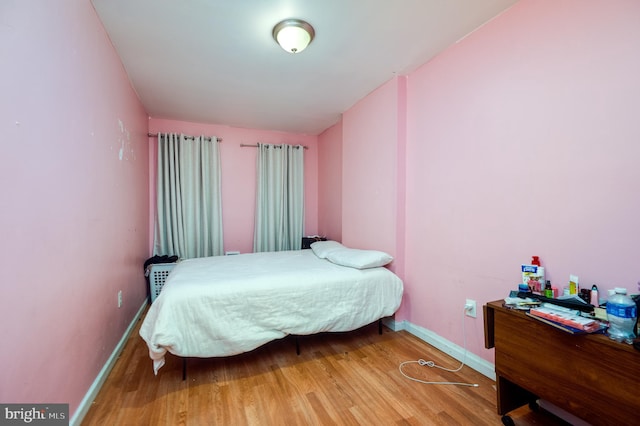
(590, 375)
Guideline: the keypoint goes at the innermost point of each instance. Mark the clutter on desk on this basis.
(520, 303)
(573, 309)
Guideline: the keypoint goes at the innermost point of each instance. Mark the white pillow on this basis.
(359, 259)
(323, 248)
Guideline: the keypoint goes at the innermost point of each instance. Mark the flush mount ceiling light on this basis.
(293, 35)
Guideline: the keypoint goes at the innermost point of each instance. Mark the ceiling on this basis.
(216, 62)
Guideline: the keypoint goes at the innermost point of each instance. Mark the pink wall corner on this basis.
(369, 174)
(398, 265)
(330, 182)
(523, 140)
(239, 175)
(74, 202)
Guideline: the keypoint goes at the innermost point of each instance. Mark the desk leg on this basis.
(489, 327)
(511, 396)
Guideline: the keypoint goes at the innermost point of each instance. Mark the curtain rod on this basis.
(155, 135)
(244, 145)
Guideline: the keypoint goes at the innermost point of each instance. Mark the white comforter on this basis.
(226, 305)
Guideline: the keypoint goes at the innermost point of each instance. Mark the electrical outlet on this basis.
(470, 308)
(120, 299)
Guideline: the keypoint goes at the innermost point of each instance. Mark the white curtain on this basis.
(279, 221)
(189, 208)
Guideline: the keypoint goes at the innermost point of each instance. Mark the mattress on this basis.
(226, 305)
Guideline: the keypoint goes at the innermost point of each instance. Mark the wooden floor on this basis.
(338, 379)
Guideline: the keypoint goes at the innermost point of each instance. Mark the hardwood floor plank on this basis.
(321, 415)
(340, 378)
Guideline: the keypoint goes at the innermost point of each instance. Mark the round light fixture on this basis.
(293, 35)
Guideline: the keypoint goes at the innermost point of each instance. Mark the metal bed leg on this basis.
(380, 326)
(184, 369)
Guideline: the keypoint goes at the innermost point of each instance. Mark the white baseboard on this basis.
(86, 402)
(472, 360)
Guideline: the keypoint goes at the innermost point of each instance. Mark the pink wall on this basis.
(523, 140)
(369, 171)
(330, 182)
(74, 201)
(239, 175)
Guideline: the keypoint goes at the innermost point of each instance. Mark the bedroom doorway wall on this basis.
(330, 183)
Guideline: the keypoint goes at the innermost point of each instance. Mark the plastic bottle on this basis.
(621, 314)
(548, 292)
(594, 296)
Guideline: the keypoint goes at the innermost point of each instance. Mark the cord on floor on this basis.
(432, 364)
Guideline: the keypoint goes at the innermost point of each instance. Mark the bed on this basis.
(226, 305)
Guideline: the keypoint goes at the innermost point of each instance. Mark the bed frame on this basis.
(296, 339)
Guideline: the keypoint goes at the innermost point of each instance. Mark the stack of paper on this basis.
(565, 317)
